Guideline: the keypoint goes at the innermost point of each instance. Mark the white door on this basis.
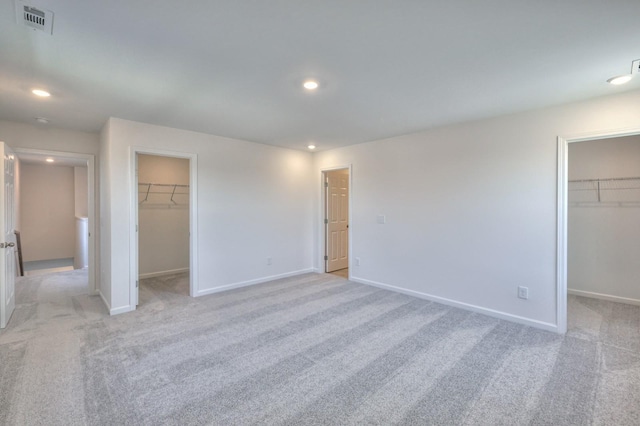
(337, 240)
(8, 238)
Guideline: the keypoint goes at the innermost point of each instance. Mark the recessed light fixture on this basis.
(310, 85)
(311, 146)
(621, 79)
(49, 160)
(42, 120)
(41, 93)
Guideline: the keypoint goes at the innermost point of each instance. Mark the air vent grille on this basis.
(34, 17)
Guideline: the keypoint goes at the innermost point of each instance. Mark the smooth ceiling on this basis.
(235, 68)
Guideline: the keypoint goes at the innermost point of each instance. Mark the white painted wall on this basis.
(47, 212)
(470, 208)
(163, 237)
(80, 182)
(604, 238)
(254, 201)
(21, 135)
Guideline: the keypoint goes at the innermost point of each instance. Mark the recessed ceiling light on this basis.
(310, 85)
(49, 160)
(42, 120)
(621, 79)
(311, 146)
(41, 93)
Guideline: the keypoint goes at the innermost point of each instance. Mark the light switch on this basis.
(381, 219)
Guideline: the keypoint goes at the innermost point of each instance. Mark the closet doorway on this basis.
(336, 190)
(598, 232)
(165, 224)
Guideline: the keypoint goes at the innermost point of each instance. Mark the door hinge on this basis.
(326, 258)
(326, 221)
(326, 184)
(136, 283)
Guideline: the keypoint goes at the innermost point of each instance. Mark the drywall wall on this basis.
(22, 135)
(104, 202)
(47, 212)
(470, 208)
(163, 236)
(254, 201)
(81, 192)
(604, 236)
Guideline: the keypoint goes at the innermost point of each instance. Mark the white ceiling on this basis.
(234, 68)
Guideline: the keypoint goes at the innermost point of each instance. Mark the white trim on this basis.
(468, 307)
(608, 297)
(562, 205)
(193, 218)
(121, 310)
(253, 282)
(322, 267)
(93, 286)
(162, 273)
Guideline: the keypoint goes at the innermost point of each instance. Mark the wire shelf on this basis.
(610, 190)
(171, 194)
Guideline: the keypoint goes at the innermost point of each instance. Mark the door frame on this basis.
(93, 286)
(322, 252)
(563, 210)
(193, 218)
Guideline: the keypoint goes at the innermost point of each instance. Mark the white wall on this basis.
(47, 212)
(254, 201)
(163, 237)
(470, 208)
(80, 182)
(21, 135)
(604, 237)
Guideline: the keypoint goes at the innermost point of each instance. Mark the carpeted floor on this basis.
(313, 349)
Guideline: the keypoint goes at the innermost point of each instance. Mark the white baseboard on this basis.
(252, 282)
(121, 310)
(116, 311)
(104, 301)
(490, 312)
(601, 296)
(162, 273)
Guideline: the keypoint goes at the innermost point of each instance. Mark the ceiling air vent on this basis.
(34, 17)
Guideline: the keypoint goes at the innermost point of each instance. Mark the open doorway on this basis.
(336, 184)
(55, 212)
(163, 246)
(598, 232)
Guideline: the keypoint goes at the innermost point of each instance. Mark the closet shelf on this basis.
(161, 189)
(623, 189)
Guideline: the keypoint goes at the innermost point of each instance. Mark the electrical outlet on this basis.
(357, 261)
(523, 292)
(269, 261)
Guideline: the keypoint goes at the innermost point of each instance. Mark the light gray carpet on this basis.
(314, 349)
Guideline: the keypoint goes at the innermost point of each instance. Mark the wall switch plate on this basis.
(635, 67)
(269, 261)
(523, 292)
(357, 261)
(381, 219)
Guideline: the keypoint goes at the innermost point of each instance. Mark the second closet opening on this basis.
(163, 227)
